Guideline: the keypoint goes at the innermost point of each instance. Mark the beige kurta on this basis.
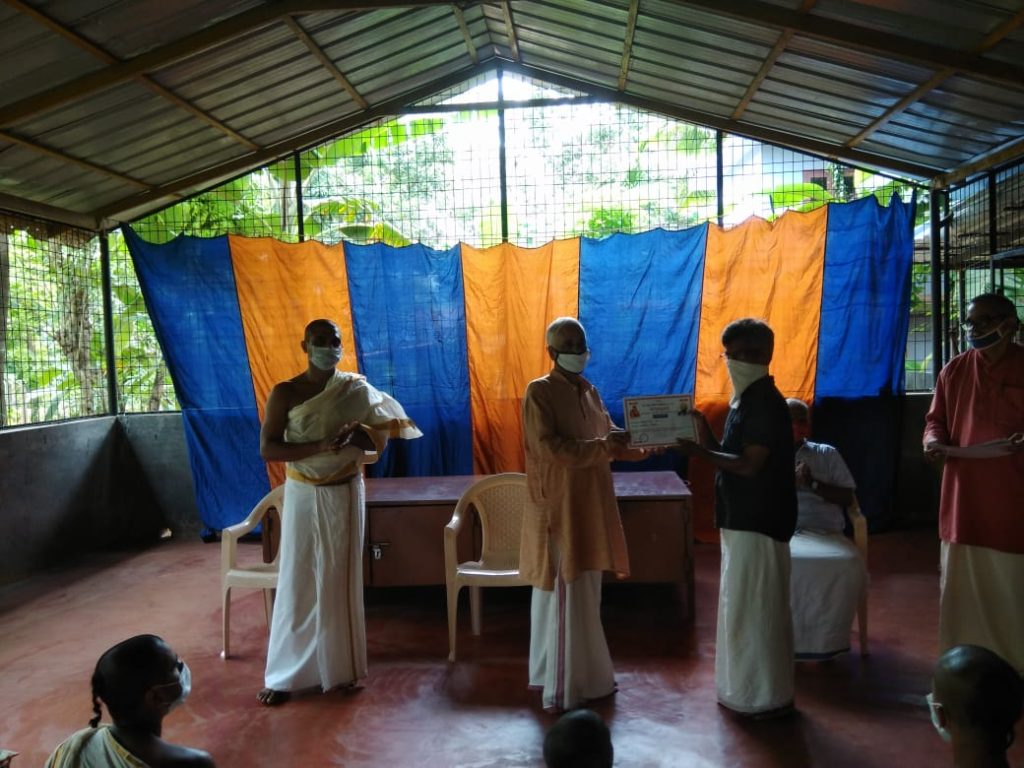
(571, 496)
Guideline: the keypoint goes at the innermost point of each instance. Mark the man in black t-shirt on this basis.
(755, 509)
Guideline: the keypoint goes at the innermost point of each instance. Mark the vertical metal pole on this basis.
(993, 234)
(108, 323)
(720, 177)
(299, 212)
(961, 292)
(935, 215)
(502, 166)
(947, 279)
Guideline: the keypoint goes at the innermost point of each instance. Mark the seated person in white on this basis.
(827, 572)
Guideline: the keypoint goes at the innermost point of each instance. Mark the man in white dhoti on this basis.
(827, 571)
(755, 509)
(979, 399)
(326, 424)
(139, 680)
(571, 526)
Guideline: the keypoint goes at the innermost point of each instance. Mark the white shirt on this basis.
(815, 513)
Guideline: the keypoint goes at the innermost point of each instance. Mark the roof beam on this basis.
(189, 45)
(460, 17)
(107, 58)
(49, 212)
(762, 73)
(627, 46)
(771, 136)
(1007, 153)
(510, 29)
(325, 60)
(56, 154)
(767, 64)
(997, 34)
(893, 46)
(915, 95)
(110, 214)
(267, 154)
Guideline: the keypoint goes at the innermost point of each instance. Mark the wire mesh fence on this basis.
(51, 323)
(985, 244)
(541, 163)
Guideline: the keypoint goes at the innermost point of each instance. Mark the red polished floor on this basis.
(417, 710)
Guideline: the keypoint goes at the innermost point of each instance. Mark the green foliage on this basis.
(591, 169)
(352, 219)
(683, 137)
(798, 197)
(53, 361)
(608, 221)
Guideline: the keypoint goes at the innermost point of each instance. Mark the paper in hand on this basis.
(988, 450)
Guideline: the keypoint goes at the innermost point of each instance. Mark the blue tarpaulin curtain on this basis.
(640, 297)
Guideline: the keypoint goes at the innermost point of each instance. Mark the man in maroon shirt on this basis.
(979, 406)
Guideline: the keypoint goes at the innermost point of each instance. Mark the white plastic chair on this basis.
(262, 576)
(498, 501)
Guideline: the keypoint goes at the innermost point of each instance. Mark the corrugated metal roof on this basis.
(109, 108)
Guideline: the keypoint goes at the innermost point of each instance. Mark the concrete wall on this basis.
(119, 482)
(79, 486)
(157, 442)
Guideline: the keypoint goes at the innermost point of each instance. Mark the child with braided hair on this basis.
(140, 680)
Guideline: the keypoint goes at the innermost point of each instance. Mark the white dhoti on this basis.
(754, 646)
(982, 596)
(569, 655)
(318, 631)
(826, 583)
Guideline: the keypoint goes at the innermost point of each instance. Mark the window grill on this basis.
(572, 166)
(51, 322)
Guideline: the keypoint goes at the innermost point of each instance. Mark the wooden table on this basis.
(406, 516)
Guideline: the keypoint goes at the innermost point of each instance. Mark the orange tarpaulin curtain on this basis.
(771, 271)
(512, 294)
(282, 287)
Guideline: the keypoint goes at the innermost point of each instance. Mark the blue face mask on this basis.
(982, 342)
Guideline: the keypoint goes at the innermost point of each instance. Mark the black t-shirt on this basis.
(766, 502)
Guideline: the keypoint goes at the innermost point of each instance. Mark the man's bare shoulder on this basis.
(177, 756)
(290, 392)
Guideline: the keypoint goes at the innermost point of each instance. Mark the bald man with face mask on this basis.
(571, 526)
(326, 424)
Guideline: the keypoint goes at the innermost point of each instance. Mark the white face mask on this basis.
(573, 363)
(742, 376)
(933, 708)
(185, 681)
(324, 358)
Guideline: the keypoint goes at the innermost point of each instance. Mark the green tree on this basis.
(608, 221)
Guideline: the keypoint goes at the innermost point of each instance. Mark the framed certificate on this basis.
(659, 420)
